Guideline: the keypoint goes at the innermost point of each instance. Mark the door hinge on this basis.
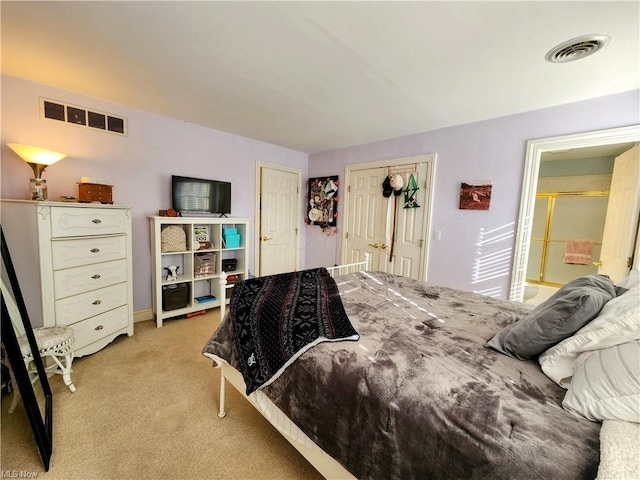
(630, 262)
(349, 188)
(421, 242)
(346, 235)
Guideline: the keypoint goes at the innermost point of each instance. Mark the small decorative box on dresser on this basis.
(74, 266)
(95, 192)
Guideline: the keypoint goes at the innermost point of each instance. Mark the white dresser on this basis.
(74, 266)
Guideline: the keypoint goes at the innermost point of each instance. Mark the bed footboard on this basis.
(323, 462)
(350, 267)
(333, 271)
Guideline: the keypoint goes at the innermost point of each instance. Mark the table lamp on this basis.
(38, 159)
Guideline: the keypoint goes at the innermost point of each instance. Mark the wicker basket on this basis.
(173, 239)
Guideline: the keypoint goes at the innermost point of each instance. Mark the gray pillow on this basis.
(559, 317)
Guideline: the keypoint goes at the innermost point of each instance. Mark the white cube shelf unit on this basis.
(200, 260)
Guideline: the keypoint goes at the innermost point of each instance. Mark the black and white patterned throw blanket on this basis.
(279, 317)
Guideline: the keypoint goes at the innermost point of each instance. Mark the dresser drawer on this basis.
(72, 281)
(93, 329)
(76, 222)
(85, 251)
(73, 309)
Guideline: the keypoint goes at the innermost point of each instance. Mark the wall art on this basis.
(322, 201)
(475, 196)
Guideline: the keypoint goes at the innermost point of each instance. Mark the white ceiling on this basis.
(315, 76)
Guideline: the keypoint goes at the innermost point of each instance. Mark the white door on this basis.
(621, 224)
(365, 229)
(370, 224)
(406, 240)
(279, 221)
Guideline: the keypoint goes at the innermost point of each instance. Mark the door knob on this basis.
(374, 245)
(265, 238)
(383, 246)
(598, 263)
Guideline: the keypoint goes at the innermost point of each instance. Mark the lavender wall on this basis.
(138, 165)
(476, 249)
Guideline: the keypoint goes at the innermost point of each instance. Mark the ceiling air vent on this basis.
(577, 48)
(54, 110)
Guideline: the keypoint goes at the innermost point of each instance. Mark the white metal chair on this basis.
(53, 342)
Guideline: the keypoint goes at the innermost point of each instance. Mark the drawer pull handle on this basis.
(96, 220)
(99, 327)
(97, 302)
(95, 250)
(95, 277)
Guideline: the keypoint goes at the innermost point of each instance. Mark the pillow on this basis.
(606, 384)
(557, 318)
(631, 282)
(618, 322)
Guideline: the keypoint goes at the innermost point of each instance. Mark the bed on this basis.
(421, 393)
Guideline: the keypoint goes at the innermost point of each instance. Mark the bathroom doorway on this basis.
(624, 138)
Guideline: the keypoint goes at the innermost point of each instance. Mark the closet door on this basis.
(407, 238)
(371, 219)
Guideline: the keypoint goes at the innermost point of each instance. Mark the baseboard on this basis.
(142, 315)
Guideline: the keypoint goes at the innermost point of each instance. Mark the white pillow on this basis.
(618, 322)
(606, 384)
(632, 281)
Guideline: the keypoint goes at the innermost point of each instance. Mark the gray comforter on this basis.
(419, 396)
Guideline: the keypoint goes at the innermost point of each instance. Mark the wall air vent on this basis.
(84, 117)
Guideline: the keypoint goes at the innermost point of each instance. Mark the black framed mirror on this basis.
(36, 397)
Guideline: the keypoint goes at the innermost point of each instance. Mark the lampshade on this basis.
(38, 158)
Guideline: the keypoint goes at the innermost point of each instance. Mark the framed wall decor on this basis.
(322, 201)
(475, 196)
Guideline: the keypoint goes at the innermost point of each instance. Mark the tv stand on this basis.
(205, 256)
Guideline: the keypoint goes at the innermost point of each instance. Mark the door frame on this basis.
(430, 159)
(258, 218)
(535, 149)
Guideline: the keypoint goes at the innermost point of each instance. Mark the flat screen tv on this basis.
(200, 196)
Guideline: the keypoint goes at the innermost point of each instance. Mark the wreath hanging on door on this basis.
(322, 203)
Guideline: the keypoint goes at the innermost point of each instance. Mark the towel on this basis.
(578, 252)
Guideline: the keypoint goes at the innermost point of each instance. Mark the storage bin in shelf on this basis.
(231, 237)
(176, 296)
(204, 264)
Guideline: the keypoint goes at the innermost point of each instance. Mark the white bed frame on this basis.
(327, 466)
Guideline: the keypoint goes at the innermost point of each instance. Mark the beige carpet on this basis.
(146, 408)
